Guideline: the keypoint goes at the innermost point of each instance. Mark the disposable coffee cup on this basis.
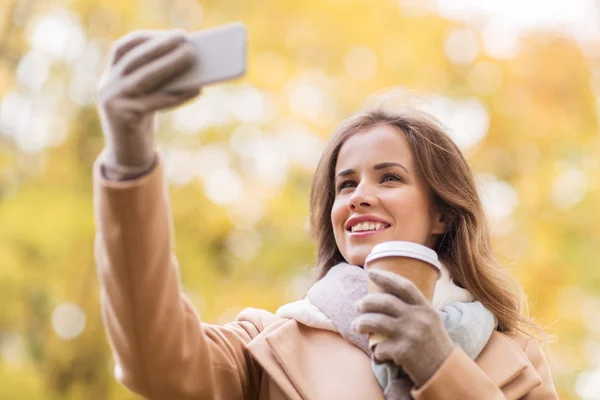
(417, 263)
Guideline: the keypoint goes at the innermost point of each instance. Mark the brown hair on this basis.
(465, 248)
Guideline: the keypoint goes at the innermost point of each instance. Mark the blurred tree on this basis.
(240, 161)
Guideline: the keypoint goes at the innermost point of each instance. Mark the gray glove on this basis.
(129, 97)
(416, 337)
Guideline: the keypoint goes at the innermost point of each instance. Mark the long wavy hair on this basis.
(465, 248)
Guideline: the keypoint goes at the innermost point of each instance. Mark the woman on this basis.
(383, 176)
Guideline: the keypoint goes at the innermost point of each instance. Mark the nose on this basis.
(360, 198)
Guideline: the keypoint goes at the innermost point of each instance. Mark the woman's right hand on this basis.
(129, 96)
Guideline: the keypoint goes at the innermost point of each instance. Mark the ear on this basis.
(440, 223)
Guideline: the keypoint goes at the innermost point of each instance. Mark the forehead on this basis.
(381, 143)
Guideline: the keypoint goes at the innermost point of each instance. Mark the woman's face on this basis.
(380, 195)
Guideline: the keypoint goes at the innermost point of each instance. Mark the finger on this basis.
(151, 49)
(374, 323)
(158, 72)
(161, 101)
(398, 286)
(383, 303)
(126, 43)
(389, 349)
(178, 100)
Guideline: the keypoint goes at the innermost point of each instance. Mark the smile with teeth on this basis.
(368, 226)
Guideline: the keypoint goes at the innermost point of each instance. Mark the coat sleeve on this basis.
(460, 377)
(162, 349)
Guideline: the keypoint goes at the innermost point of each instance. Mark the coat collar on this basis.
(501, 359)
(313, 364)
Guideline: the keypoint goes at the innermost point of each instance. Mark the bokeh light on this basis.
(68, 320)
(461, 47)
(516, 84)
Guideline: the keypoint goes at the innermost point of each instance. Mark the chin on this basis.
(357, 259)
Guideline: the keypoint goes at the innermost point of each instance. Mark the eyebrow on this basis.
(376, 167)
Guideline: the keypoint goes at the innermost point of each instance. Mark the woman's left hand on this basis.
(416, 337)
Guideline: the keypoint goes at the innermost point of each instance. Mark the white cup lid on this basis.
(404, 249)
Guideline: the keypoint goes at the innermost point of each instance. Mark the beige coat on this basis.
(164, 351)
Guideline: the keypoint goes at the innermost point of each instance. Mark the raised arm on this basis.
(162, 349)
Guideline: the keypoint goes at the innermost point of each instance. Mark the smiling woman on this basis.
(369, 191)
(397, 176)
(431, 200)
(385, 176)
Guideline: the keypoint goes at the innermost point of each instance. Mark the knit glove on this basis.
(416, 337)
(129, 96)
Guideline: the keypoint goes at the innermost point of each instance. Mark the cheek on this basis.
(411, 221)
(407, 206)
(338, 214)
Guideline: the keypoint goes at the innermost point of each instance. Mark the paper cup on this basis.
(413, 261)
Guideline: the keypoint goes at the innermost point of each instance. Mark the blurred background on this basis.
(516, 82)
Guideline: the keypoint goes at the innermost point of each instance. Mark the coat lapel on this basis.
(508, 365)
(316, 364)
(501, 359)
(261, 351)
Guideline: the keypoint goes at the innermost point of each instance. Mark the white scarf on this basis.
(446, 292)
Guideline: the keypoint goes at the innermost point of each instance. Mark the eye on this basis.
(391, 177)
(345, 184)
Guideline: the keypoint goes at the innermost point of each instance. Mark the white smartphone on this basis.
(220, 55)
